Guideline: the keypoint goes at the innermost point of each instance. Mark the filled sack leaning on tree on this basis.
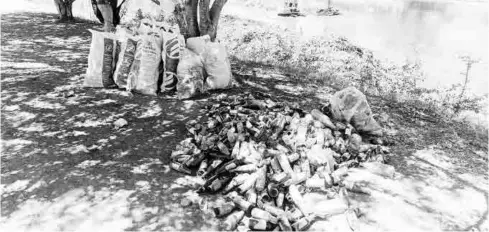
(101, 60)
(350, 105)
(215, 59)
(190, 74)
(217, 66)
(198, 44)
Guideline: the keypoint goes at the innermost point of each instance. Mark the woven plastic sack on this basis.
(173, 44)
(125, 60)
(145, 27)
(100, 60)
(143, 77)
(190, 74)
(117, 52)
(217, 66)
(350, 105)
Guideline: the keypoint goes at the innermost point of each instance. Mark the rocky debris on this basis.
(262, 156)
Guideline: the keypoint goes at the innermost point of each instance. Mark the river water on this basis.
(434, 33)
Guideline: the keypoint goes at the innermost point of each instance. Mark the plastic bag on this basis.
(143, 77)
(217, 66)
(190, 74)
(100, 60)
(198, 44)
(350, 105)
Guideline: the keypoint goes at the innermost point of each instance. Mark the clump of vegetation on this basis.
(336, 62)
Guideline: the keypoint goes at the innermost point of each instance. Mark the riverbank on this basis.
(436, 66)
(66, 167)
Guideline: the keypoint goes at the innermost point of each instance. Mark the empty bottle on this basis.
(303, 223)
(272, 190)
(232, 220)
(180, 167)
(251, 196)
(261, 179)
(258, 224)
(262, 214)
(224, 209)
(202, 167)
(284, 223)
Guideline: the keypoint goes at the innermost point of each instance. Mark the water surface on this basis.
(435, 33)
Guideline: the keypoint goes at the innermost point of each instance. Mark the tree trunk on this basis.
(108, 15)
(191, 25)
(186, 16)
(64, 8)
(215, 13)
(97, 12)
(107, 10)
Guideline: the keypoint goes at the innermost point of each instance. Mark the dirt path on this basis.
(65, 166)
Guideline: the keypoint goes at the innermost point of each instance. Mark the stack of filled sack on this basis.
(156, 58)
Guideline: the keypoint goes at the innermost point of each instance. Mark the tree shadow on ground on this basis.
(64, 164)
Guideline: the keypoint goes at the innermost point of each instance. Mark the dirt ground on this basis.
(64, 166)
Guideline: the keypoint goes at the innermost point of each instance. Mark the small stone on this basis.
(120, 123)
(93, 148)
(69, 94)
(185, 202)
(376, 141)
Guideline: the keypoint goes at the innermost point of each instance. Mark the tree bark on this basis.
(186, 16)
(191, 25)
(107, 10)
(108, 15)
(64, 8)
(205, 18)
(97, 12)
(215, 13)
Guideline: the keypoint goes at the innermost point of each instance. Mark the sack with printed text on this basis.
(101, 60)
(143, 77)
(173, 44)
